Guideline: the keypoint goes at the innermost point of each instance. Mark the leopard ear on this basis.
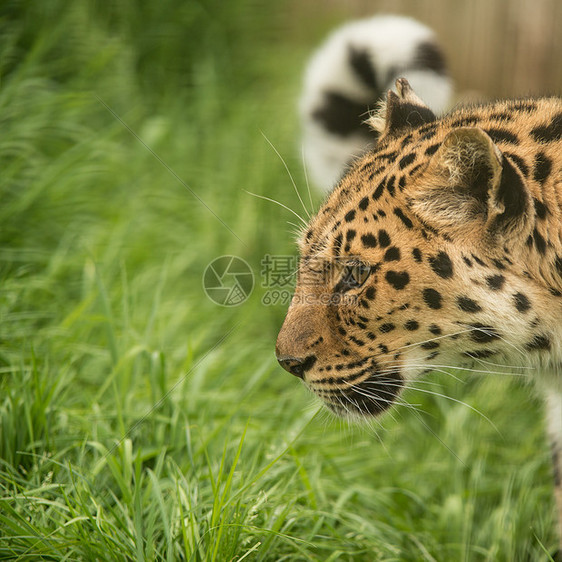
(401, 112)
(469, 186)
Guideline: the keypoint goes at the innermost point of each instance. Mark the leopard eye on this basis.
(355, 275)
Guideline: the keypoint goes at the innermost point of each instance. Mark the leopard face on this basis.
(441, 248)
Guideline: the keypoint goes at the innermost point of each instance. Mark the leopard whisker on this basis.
(421, 420)
(484, 370)
(439, 394)
(289, 173)
(277, 203)
(468, 330)
(441, 369)
(365, 392)
(429, 340)
(498, 336)
(343, 405)
(305, 169)
(298, 228)
(494, 364)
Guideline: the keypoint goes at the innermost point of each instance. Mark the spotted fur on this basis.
(443, 245)
(349, 74)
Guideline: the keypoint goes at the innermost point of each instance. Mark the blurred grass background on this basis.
(138, 420)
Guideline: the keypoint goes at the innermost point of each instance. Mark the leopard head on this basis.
(414, 263)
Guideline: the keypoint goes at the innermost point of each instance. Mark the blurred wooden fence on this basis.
(495, 48)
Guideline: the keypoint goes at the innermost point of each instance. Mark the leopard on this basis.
(442, 245)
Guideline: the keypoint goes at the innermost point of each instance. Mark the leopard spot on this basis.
(539, 342)
(495, 282)
(431, 150)
(384, 238)
(392, 254)
(369, 240)
(502, 135)
(549, 132)
(442, 265)
(397, 279)
(540, 209)
(479, 353)
(522, 303)
(370, 293)
(542, 167)
(432, 298)
(390, 185)
(405, 220)
(406, 160)
(468, 305)
(483, 334)
(379, 190)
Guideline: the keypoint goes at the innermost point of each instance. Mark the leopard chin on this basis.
(368, 398)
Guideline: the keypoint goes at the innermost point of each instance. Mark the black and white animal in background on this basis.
(347, 77)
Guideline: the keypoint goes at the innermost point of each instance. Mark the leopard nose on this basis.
(296, 365)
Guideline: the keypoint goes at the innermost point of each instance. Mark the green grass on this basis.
(138, 420)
